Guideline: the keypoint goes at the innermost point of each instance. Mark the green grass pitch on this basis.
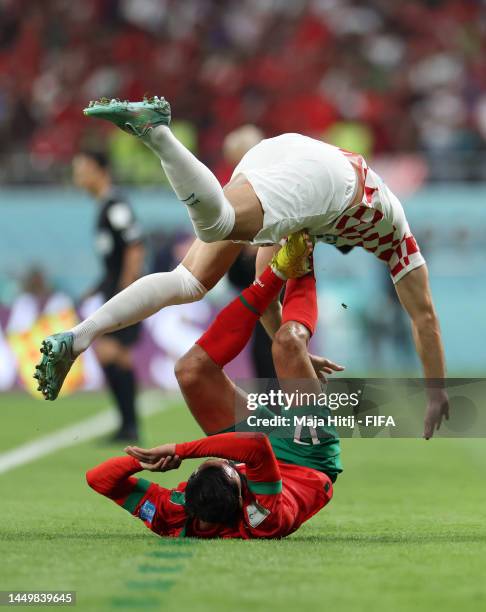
(406, 529)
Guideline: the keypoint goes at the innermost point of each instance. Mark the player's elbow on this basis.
(263, 452)
(261, 442)
(92, 479)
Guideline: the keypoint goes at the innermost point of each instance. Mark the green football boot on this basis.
(57, 359)
(136, 118)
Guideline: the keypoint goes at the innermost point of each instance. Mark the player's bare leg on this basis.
(202, 267)
(214, 400)
(210, 262)
(217, 403)
(297, 372)
(293, 366)
(289, 351)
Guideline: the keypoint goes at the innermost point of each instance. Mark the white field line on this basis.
(93, 427)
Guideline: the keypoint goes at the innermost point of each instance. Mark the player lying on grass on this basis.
(281, 185)
(278, 483)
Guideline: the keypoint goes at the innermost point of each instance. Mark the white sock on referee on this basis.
(141, 299)
(195, 185)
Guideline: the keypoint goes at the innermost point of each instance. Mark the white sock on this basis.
(141, 299)
(195, 185)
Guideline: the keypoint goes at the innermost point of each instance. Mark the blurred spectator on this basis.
(413, 73)
(36, 296)
(235, 145)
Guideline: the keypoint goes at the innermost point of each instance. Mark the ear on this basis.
(240, 502)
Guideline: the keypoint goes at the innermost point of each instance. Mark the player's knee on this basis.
(292, 337)
(189, 369)
(216, 227)
(185, 371)
(192, 290)
(210, 234)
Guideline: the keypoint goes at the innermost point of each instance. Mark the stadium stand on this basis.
(390, 76)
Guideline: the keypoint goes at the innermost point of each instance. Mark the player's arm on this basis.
(146, 500)
(132, 264)
(114, 478)
(414, 293)
(253, 449)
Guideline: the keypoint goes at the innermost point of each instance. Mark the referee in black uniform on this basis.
(119, 244)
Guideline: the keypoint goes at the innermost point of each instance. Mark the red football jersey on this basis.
(278, 498)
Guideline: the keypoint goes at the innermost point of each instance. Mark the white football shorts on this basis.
(303, 183)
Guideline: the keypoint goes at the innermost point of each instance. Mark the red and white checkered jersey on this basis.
(378, 224)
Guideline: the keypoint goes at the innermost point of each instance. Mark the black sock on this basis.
(123, 387)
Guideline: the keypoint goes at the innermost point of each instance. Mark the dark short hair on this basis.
(212, 496)
(100, 158)
(345, 248)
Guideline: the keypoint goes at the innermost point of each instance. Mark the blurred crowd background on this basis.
(403, 83)
(384, 77)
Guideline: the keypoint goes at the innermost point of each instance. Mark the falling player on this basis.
(282, 185)
(279, 482)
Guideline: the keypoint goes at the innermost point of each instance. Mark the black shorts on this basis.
(127, 336)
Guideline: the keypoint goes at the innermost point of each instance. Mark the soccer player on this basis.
(281, 185)
(277, 483)
(119, 244)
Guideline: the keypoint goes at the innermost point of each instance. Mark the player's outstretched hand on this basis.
(437, 409)
(158, 459)
(323, 366)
